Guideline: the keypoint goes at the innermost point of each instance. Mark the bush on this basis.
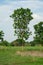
(17, 42)
(27, 44)
(4, 43)
(32, 43)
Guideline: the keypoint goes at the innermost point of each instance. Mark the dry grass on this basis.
(30, 53)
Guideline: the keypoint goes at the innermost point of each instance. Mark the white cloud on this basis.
(38, 16)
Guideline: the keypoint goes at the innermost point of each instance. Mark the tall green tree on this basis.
(1, 35)
(39, 32)
(21, 18)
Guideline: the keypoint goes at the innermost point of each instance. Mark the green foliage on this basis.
(1, 35)
(32, 43)
(14, 43)
(21, 18)
(4, 43)
(17, 42)
(39, 33)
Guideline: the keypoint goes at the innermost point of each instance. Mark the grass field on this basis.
(8, 56)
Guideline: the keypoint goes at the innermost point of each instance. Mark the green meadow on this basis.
(8, 56)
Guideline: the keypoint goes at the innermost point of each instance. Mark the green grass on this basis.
(8, 56)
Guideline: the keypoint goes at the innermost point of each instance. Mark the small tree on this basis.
(1, 35)
(21, 18)
(38, 33)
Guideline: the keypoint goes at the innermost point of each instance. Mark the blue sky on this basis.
(8, 6)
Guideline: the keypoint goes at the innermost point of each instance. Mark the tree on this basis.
(39, 32)
(1, 35)
(21, 18)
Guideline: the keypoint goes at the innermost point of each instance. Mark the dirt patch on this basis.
(30, 53)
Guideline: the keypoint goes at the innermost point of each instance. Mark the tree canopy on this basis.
(1, 35)
(21, 18)
(39, 32)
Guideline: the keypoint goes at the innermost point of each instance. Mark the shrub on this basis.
(4, 43)
(17, 42)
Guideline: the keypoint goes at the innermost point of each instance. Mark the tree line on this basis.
(21, 18)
